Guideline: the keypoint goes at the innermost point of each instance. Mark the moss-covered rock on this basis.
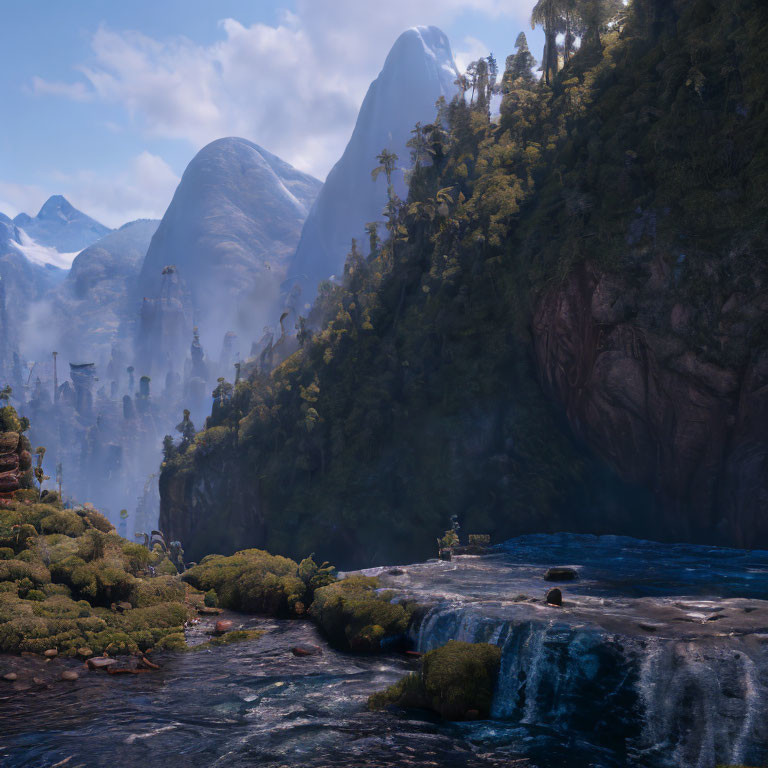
(57, 586)
(251, 580)
(356, 616)
(457, 681)
(63, 521)
(15, 570)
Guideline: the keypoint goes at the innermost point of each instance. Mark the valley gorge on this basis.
(457, 458)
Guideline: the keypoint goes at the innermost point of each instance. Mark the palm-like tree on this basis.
(548, 14)
(386, 165)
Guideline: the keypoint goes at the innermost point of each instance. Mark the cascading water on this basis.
(658, 657)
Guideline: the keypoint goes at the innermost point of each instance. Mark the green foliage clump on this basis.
(355, 616)
(161, 589)
(138, 556)
(14, 570)
(174, 641)
(99, 581)
(455, 680)
(211, 599)
(63, 521)
(9, 419)
(251, 580)
(61, 570)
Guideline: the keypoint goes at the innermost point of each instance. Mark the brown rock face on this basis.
(644, 397)
(15, 459)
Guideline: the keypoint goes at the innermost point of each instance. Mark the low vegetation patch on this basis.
(356, 616)
(456, 681)
(256, 582)
(68, 581)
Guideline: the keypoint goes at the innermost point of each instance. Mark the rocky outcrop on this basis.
(15, 463)
(196, 505)
(665, 412)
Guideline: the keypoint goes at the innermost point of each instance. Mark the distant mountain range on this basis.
(61, 226)
(230, 230)
(241, 224)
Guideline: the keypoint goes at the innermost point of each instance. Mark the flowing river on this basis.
(657, 658)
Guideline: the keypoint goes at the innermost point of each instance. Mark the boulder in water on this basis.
(10, 677)
(561, 573)
(554, 597)
(101, 662)
(69, 675)
(222, 626)
(306, 650)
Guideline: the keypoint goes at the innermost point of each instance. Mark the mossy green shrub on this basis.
(95, 519)
(174, 641)
(9, 420)
(161, 589)
(355, 616)
(54, 548)
(457, 681)
(40, 622)
(251, 580)
(138, 556)
(99, 581)
(63, 521)
(211, 599)
(14, 570)
(408, 693)
(59, 574)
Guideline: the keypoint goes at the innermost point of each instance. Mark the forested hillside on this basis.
(563, 327)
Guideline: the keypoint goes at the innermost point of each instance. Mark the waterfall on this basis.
(656, 702)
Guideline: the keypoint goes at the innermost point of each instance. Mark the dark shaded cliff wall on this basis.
(575, 339)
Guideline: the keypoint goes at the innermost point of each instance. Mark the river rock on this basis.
(69, 675)
(100, 662)
(206, 610)
(222, 626)
(124, 606)
(306, 650)
(84, 652)
(561, 573)
(10, 677)
(554, 597)
(50, 653)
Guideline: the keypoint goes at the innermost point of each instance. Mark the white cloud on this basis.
(142, 191)
(21, 198)
(471, 50)
(77, 91)
(293, 87)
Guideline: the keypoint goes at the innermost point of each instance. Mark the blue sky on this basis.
(107, 102)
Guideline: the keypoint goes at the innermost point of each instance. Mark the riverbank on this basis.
(657, 657)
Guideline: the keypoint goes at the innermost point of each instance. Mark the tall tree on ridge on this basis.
(548, 14)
